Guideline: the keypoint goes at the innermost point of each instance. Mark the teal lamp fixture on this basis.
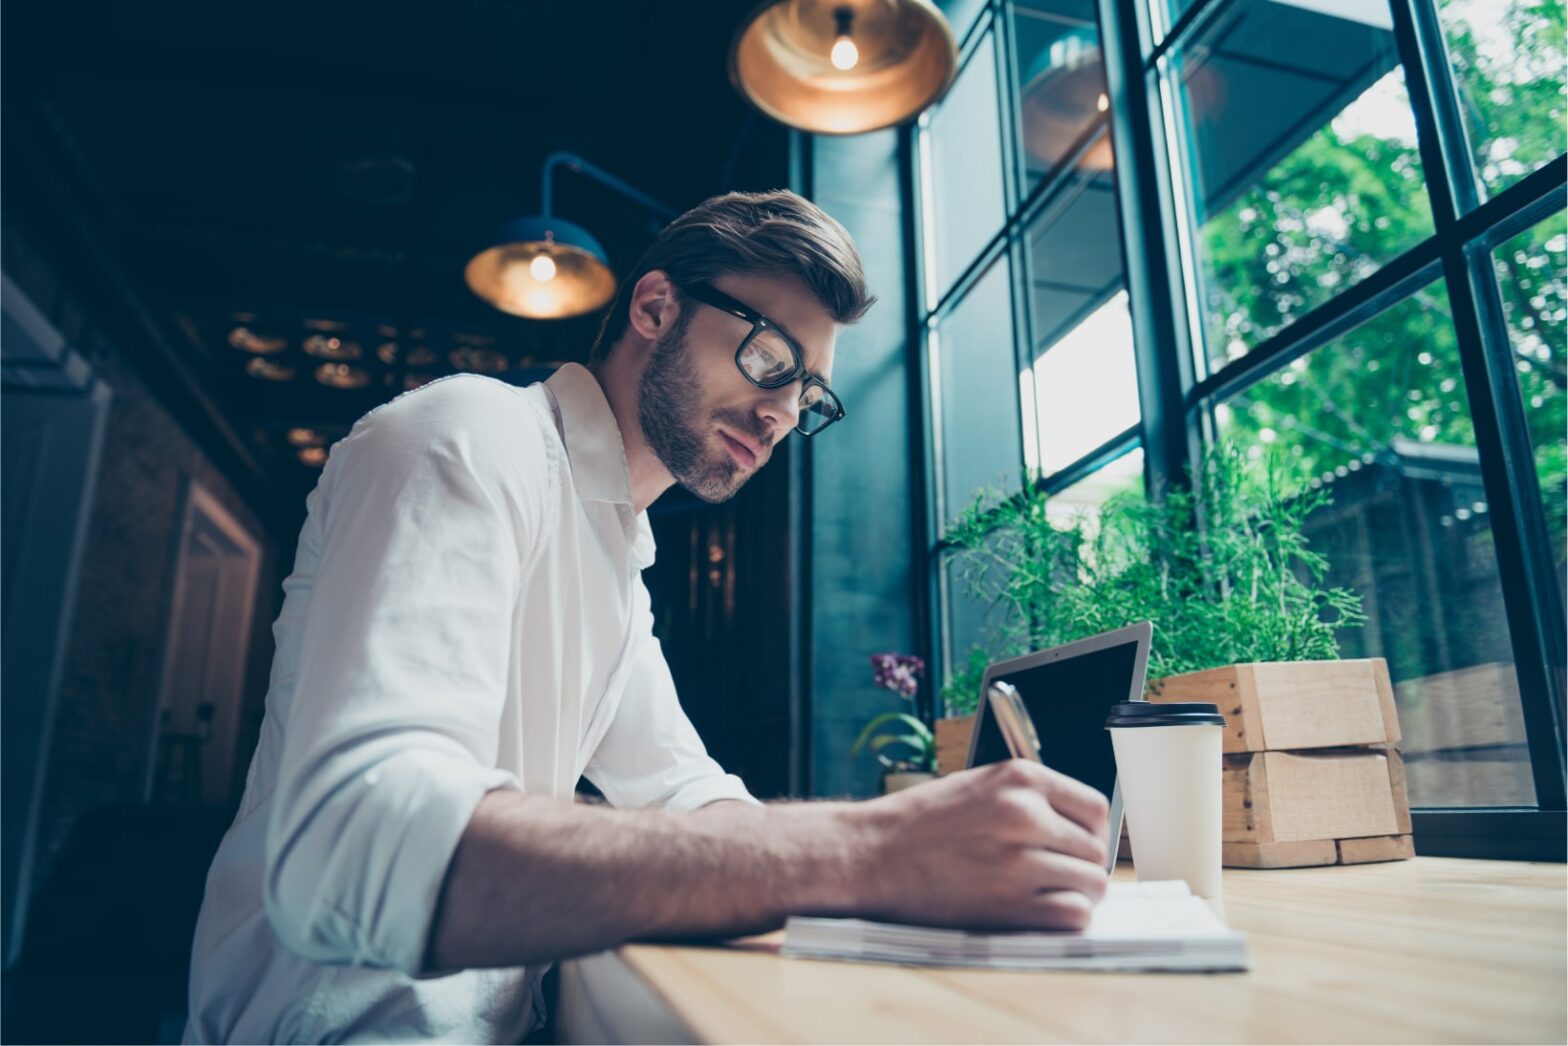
(545, 267)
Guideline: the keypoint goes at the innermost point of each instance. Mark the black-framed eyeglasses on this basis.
(771, 359)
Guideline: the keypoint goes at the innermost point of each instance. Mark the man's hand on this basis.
(1010, 845)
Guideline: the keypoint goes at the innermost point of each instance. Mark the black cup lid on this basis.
(1175, 713)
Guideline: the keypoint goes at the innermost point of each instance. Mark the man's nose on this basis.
(780, 411)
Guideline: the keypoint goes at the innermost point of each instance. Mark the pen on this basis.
(1016, 724)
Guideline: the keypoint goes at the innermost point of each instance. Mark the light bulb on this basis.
(1103, 103)
(542, 268)
(845, 54)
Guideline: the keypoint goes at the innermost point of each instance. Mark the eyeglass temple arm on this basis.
(578, 165)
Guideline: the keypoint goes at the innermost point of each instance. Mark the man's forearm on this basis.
(537, 879)
(1012, 845)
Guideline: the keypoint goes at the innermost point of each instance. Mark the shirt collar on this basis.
(597, 453)
(592, 436)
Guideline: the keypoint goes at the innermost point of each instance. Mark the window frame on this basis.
(1158, 270)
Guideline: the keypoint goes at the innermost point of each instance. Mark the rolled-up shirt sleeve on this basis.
(431, 508)
(651, 754)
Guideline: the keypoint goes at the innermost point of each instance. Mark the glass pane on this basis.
(1534, 282)
(1302, 162)
(961, 14)
(1062, 104)
(1164, 13)
(971, 623)
(1379, 419)
(1086, 386)
(963, 168)
(1083, 499)
(979, 427)
(1507, 57)
(975, 385)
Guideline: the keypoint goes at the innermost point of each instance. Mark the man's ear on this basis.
(653, 308)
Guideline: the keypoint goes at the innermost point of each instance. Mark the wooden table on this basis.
(1429, 950)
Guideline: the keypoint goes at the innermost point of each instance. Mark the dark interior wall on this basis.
(721, 594)
(723, 584)
(105, 707)
(863, 508)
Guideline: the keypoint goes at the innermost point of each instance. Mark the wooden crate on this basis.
(1289, 705)
(1311, 852)
(1288, 809)
(1302, 854)
(952, 742)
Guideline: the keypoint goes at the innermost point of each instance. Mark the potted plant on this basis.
(1242, 589)
(906, 748)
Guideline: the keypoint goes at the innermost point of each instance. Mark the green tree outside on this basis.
(1346, 201)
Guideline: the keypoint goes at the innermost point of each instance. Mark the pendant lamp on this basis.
(843, 66)
(545, 267)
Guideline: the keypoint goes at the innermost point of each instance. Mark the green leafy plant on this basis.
(1241, 585)
(917, 740)
(900, 673)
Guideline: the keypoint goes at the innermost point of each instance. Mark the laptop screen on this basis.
(1069, 699)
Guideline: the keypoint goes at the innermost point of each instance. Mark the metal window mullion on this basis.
(1020, 259)
(925, 392)
(1004, 46)
(1193, 22)
(1426, 33)
(1533, 198)
(1535, 622)
(1161, 347)
(1015, 185)
(1119, 445)
(1344, 312)
(921, 540)
(802, 672)
(1530, 591)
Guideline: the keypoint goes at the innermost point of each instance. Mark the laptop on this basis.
(1069, 690)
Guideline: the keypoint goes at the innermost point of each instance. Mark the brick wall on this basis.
(105, 706)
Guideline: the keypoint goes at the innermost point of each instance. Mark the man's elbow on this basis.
(301, 915)
(302, 885)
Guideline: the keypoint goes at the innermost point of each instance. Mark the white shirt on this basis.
(466, 612)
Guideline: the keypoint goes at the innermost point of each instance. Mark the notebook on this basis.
(1138, 926)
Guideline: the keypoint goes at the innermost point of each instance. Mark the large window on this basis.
(1507, 57)
(1027, 330)
(1303, 175)
(1380, 420)
(1341, 240)
(1533, 282)
(963, 168)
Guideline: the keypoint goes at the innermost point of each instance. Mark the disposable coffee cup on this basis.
(1168, 765)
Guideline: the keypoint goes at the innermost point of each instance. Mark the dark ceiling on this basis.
(268, 165)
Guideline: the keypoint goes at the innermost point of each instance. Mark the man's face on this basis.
(709, 425)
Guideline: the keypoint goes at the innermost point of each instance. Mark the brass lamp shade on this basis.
(780, 61)
(505, 274)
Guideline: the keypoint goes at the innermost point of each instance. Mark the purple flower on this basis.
(898, 672)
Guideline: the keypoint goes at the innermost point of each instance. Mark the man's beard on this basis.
(670, 410)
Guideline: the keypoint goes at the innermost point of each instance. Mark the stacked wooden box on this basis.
(1312, 775)
(953, 735)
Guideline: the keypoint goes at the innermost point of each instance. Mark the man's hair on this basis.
(775, 233)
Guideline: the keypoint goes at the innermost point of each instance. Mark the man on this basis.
(465, 634)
